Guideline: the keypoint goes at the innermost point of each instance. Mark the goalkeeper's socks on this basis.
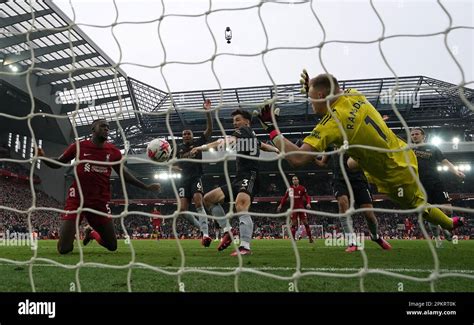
(436, 216)
(94, 234)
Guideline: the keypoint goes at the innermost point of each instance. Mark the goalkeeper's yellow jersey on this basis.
(365, 126)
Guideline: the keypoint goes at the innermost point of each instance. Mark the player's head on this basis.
(187, 136)
(241, 118)
(417, 135)
(319, 88)
(100, 129)
(295, 180)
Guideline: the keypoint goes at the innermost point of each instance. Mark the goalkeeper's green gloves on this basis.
(265, 118)
(304, 81)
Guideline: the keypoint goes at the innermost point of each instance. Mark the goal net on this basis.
(147, 67)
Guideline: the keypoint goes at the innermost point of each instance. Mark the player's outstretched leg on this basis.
(67, 234)
(304, 220)
(447, 235)
(192, 219)
(246, 232)
(218, 211)
(203, 222)
(308, 232)
(436, 234)
(242, 204)
(346, 223)
(374, 228)
(293, 231)
(104, 234)
(437, 217)
(212, 202)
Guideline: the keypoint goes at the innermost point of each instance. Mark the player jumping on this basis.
(363, 125)
(190, 185)
(428, 156)
(245, 184)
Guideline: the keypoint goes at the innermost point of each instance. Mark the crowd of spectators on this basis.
(20, 169)
(391, 225)
(16, 195)
(270, 184)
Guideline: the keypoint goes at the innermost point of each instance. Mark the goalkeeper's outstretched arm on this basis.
(298, 155)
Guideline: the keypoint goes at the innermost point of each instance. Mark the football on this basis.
(159, 150)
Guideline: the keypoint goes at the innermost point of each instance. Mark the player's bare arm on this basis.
(299, 157)
(207, 107)
(459, 174)
(50, 164)
(205, 147)
(321, 161)
(268, 148)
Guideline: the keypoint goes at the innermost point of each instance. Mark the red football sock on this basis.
(308, 231)
(293, 231)
(96, 236)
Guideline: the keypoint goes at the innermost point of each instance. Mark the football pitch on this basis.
(159, 267)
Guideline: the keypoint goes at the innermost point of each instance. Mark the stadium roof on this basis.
(59, 47)
(63, 53)
(422, 101)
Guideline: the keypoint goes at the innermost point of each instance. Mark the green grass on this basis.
(272, 257)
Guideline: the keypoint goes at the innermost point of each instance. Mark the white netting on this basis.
(121, 110)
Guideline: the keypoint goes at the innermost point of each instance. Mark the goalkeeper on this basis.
(363, 125)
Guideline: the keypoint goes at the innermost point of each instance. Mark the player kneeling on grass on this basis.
(363, 125)
(245, 184)
(94, 180)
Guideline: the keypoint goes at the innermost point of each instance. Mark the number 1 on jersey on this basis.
(369, 120)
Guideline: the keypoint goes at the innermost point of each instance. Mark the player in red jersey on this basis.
(409, 227)
(93, 177)
(300, 196)
(156, 222)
